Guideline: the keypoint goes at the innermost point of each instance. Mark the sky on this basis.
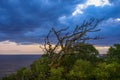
(25, 23)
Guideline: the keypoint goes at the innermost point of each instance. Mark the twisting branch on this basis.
(66, 40)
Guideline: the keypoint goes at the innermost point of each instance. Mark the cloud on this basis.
(102, 49)
(13, 48)
(98, 8)
(20, 20)
(109, 10)
(110, 31)
(97, 3)
(28, 21)
(112, 21)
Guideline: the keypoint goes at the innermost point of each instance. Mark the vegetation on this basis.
(71, 58)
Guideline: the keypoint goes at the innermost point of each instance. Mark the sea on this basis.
(11, 63)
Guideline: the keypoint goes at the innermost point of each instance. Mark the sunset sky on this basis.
(25, 23)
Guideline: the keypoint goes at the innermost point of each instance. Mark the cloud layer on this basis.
(28, 21)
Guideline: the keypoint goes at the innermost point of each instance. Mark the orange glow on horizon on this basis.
(7, 47)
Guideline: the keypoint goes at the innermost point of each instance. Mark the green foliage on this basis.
(81, 70)
(100, 72)
(105, 71)
(114, 53)
(40, 68)
(23, 74)
(81, 64)
(10, 77)
(56, 74)
(86, 51)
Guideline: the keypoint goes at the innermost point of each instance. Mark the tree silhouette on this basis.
(65, 41)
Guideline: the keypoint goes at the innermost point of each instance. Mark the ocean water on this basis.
(11, 63)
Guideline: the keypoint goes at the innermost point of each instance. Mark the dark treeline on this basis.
(71, 58)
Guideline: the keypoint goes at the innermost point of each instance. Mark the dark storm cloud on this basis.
(28, 21)
(19, 17)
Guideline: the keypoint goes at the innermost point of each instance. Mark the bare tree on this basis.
(65, 40)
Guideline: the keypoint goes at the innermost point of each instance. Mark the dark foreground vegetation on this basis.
(69, 57)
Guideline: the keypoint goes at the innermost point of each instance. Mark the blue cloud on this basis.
(109, 30)
(18, 17)
(29, 20)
